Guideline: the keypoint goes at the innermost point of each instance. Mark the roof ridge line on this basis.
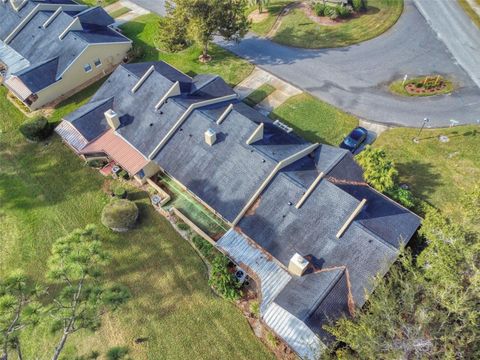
(215, 77)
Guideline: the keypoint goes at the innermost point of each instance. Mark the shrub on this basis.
(117, 353)
(120, 214)
(96, 163)
(331, 12)
(183, 226)
(271, 339)
(403, 196)
(136, 52)
(123, 175)
(37, 129)
(343, 12)
(223, 280)
(379, 169)
(120, 192)
(320, 9)
(203, 246)
(255, 308)
(360, 5)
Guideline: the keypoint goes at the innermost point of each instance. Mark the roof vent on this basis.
(112, 119)
(210, 137)
(297, 265)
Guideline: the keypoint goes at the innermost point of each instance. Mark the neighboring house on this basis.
(50, 48)
(303, 221)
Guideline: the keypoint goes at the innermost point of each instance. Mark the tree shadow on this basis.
(420, 176)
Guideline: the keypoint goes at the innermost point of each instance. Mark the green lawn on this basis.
(470, 12)
(258, 95)
(46, 192)
(143, 31)
(315, 120)
(297, 29)
(119, 12)
(274, 8)
(436, 172)
(97, 2)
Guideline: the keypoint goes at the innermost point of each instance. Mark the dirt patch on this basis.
(256, 17)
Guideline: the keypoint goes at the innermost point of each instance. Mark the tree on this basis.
(423, 309)
(77, 263)
(19, 308)
(379, 169)
(260, 4)
(201, 20)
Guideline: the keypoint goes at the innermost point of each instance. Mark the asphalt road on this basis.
(355, 78)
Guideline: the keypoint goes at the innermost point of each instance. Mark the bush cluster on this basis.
(119, 214)
(339, 11)
(37, 129)
(204, 247)
(222, 280)
(120, 192)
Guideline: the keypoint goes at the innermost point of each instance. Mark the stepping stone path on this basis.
(260, 77)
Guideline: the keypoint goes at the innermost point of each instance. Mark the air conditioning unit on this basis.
(282, 126)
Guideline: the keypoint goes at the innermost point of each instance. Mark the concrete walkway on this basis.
(258, 77)
(135, 11)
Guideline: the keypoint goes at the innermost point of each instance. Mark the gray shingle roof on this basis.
(39, 45)
(227, 174)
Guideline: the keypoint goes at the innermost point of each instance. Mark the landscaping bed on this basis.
(423, 86)
(300, 27)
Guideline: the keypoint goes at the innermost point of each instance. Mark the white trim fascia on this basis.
(168, 94)
(22, 24)
(144, 78)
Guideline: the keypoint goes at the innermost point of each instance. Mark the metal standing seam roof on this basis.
(71, 135)
(272, 279)
(119, 150)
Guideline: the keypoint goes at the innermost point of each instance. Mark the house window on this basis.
(97, 63)
(87, 67)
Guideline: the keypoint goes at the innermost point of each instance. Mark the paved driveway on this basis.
(355, 78)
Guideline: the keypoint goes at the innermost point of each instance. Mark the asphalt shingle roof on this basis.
(39, 45)
(227, 174)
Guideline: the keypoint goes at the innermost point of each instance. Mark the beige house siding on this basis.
(149, 170)
(109, 54)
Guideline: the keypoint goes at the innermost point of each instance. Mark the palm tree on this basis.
(260, 4)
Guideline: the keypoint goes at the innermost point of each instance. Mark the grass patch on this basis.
(298, 30)
(397, 87)
(258, 95)
(96, 2)
(231, 68)
(274, 8)
(119, 12)
(436, 172)
(470, 12)
(46, 192)
(315, 120)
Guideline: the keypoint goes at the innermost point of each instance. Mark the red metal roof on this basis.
(119, 150)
